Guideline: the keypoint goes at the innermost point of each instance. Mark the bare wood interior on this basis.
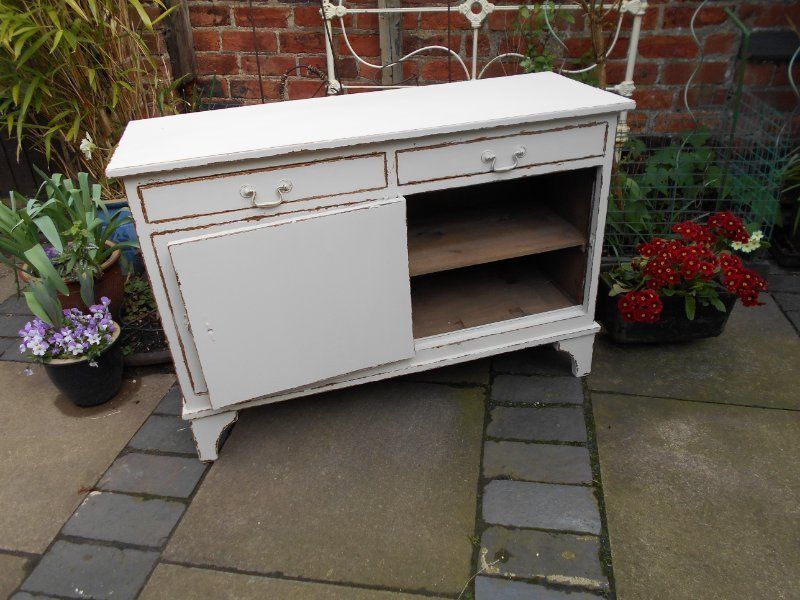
(483, 235)
(493, 252)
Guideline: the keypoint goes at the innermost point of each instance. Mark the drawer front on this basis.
(505, 153)
(272, 186)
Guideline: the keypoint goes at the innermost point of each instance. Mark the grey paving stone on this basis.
(91, 571)
(12, 571)
(521, 389)
(546, 424)
(753, 362)
(165, 434)
(560, 558)
(7, 342)
(784, 283)
(541, 505)
(12, 353)
(172, 403)
(15, 306)
(11, 324)
(373, 485)
(536, 462)
(794, 317)
(27, 596)
(488, 588)
(787, 301)
(542, 360)
(706, 491)
(176, 582)
(173, 476)
(127, 519)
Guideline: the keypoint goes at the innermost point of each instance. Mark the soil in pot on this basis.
(674, 325)
(84, 384)
(110, 284)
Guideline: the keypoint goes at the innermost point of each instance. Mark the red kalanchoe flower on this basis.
(643, 306)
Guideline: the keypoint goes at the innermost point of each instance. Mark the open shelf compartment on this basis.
(488, 253)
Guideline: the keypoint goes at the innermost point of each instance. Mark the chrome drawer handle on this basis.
(490, 157)
(248, 192)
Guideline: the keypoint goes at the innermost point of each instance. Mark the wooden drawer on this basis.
(214, 194)
(473, 156)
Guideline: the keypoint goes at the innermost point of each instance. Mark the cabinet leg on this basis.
(580, 349)
(207, 432)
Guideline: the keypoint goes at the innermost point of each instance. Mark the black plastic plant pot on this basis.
(673, 326)
(86, 385)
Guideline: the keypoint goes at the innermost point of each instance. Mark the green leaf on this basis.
(37, 258)
(717, 303)
(87, 287)
(43, 302)
(49, 230)
(690, 305)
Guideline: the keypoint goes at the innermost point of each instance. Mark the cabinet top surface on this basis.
(259, 131)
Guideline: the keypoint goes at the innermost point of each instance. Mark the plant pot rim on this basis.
(66, 362)
(110, 261)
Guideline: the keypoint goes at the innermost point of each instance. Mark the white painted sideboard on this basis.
(306, 246)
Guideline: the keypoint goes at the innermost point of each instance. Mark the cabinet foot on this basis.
(207, 432)
(580, 349)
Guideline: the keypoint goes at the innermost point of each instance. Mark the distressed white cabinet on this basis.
(306, 246)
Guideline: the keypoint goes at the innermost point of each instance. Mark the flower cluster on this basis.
(699, 265)
(727, 225)
(643, 306)
(741, 281)
(754, 243)
(79, 336)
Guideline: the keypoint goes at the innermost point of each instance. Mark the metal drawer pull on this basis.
(490, 157)
(248, 192)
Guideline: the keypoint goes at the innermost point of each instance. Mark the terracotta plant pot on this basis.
(110, 284)
(674, 325)
(85, 385)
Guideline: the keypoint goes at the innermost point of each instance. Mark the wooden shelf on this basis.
(454, 240)
(480, 295)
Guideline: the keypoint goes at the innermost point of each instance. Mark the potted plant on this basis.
(80, 352)
(681, 289)
(60, 242)
(786, 237)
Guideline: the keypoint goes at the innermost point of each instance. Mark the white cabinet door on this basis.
(283, 304)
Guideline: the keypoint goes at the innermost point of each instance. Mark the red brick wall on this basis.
(290, 34)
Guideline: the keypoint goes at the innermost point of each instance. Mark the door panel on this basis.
(287, 303)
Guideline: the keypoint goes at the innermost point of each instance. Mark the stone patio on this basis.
(482, 478)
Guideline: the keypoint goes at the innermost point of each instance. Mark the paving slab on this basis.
(489, 588)
(788, 301)
(541, 505)
(52, 452)
(521, 389)
(546, 424)
(91, 571)
(164, 433)
(8, 283)
(557, 558)
(470, 372)
(13, 570)
(754, 362)
(153, 474)
(536, 462)
(788, 282)
(542, 360)
(172, 403)
(14, 305)
(175, 581)
(374, 485)
(701, 499)
(126, 519)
